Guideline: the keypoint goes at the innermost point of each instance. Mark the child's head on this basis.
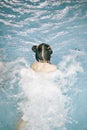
(43, 52)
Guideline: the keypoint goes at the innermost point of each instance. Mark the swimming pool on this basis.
(63, 25)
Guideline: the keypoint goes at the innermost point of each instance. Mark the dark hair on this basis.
(43, 52)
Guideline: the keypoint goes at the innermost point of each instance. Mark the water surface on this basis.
(63, 25)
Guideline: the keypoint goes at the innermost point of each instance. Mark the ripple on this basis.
(34, 0)
(60, 23)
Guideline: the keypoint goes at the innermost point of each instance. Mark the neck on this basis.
(44, 61)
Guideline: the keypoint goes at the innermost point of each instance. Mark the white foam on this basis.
(44, 107)
(1, 66)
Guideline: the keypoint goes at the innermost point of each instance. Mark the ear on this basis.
(49, 49)
(34, 48)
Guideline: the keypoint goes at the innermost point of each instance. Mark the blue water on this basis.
(59, 23)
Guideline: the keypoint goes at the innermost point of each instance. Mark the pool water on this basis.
(55, 101)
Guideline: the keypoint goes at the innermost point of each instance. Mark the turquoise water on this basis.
(61, 24)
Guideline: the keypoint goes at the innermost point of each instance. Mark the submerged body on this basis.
(37, 67)
(41, 109)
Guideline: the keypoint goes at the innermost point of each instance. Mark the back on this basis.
(43, 67)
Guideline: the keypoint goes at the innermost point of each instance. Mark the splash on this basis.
(45, 105)
(44, 108)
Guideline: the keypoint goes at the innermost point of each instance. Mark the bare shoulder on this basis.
(43, 67)
(51, 67)
(35, 65)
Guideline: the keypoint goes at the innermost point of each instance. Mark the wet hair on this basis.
(42, 52)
